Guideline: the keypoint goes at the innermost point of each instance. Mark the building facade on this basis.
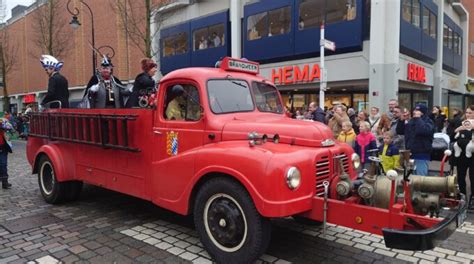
(27, 81)
(413, 50)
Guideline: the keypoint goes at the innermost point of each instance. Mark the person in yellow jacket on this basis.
(389, 153)
(347, 134)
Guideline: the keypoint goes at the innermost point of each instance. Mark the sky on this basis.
(12, 3)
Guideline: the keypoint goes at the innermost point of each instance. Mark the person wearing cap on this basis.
(57, 84)
(143, 81)
(419, 138)
(104, 90)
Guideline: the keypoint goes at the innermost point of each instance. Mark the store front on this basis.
(298, 81)
(415, 84)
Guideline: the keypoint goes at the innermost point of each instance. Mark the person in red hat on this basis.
(143, 81)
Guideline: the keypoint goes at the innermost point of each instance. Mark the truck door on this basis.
(178, 134)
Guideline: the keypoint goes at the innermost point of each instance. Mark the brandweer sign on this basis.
(416, 73)
(243, 66)
(296, 74)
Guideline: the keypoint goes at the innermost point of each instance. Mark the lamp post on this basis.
(75, 24)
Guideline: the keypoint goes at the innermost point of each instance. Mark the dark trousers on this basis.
(3, 165)
(462, 168)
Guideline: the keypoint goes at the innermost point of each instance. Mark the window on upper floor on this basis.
(429, 22)
(406, 10)
(270, 23)
(445, 35)
(175, 44)
(426, 20)
(455, 42)
(450, 38)
(472, 49)
(209, 37)
(415, 19)
(459, 51)
(433, 23)
(311, 12)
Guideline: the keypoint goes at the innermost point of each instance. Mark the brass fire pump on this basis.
(425, 191)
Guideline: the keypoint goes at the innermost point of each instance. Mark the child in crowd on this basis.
(347, 134)
(364, 142)
(389, 152)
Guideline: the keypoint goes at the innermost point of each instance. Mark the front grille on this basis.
(323, 169)
(323, 173)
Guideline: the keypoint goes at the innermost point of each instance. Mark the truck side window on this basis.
(182, 103)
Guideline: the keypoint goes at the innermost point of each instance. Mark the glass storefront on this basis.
(301, 100)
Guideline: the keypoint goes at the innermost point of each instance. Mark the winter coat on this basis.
(319, 115)
(438, 121)
(390, 156)
(143, 81)
(347, 137)
(335, 123)
(452, 125)
(57, 90)
(419, 137)
(364, 142)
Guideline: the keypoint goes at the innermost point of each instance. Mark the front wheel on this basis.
(53, 192)
(229, 225)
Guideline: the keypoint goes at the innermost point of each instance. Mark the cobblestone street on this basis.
(107, 227)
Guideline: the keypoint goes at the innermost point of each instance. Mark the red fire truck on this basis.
(215, 143)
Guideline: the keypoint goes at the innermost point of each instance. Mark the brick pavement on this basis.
(107, 227)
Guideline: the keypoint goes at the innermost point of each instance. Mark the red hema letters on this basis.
(416, 73)
(295, 74)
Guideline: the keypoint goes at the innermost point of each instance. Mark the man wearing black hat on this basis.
(104, 90)
(419, 137)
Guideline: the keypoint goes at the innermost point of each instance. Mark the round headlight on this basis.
(355, 160)
(293, 178)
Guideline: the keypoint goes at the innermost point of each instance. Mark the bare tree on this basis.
(8, 53)
(49, 26)
(136, 19)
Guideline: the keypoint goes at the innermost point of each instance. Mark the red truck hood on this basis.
(291, 131)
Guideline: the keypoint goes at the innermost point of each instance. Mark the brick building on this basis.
(27, 82)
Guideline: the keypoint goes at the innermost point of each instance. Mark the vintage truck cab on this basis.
(215, 143)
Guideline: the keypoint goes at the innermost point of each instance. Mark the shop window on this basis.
(175, 45)
(433, 23)
(416, 13)
(311, 14)
(472, 49)
(257, 26)
(340, 10)
(209, 37)
(406, 10)
(279, 21)
(445, 35)
(426, 21)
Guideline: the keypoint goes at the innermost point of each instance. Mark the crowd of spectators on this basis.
(420, 131)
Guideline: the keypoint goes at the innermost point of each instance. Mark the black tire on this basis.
(306, 221)
(53, 192)
(74, 190)
(229, 225)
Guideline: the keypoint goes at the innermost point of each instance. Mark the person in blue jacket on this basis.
(419, 138)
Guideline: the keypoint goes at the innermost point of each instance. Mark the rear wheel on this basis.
(52, 191)
(229, 225)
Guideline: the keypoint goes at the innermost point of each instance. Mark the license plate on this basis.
(462, 217)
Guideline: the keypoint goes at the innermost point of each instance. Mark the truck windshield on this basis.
(229, 95)
(266, 98)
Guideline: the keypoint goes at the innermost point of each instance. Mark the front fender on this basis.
(62, 161)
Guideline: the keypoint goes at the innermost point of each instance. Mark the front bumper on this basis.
(429, 238)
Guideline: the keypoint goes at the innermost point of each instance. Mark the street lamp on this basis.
(75, 24)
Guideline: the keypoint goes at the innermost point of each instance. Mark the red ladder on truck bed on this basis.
(108, 131)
